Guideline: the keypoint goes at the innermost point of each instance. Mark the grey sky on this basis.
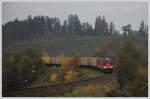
(121, 13)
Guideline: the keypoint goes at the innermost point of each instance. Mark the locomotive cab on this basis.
(105, 64)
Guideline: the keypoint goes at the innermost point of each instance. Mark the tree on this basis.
(26, 67)
(101, 26)
(65, 27)
(69, 65)
(98, 23)
(46, 58)
(9, 73)
(105, 26)
(127, 30)
(57, 25)
(87, 29)
(74, 25)
(22, 68)
(143, 29)
(127, 63)
(54, 74)
(38, 26)
(111, 28)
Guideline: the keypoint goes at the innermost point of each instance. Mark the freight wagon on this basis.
(105, 64)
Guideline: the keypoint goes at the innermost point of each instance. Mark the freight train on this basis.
(104, 64)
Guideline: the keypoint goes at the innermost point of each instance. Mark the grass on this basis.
(89, 73)
(94, 89)
(87, 91)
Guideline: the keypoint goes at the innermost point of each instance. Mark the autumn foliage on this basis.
(142, 72)
(54, 77)
(45, 58)
(69, 67)
(140, 84)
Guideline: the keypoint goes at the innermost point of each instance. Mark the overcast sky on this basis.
(121, 13)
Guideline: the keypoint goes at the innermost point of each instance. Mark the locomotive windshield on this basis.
(104, 59)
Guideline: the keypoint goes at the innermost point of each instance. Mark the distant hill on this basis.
(69, 45)
(81, 45)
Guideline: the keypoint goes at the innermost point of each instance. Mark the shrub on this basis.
(25, 66)
(46, 58)
(54, 77)
(9, 73)
(69, 67)
(71, 75)
(139, 86)
(127, 63)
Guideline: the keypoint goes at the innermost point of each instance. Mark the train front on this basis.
(105, 64)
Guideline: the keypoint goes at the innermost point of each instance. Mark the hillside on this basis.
(80, 45)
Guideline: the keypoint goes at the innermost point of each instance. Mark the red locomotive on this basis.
(105, 64)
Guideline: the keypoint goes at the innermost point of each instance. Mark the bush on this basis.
(127, 63)
(69, 67)
(139, 87)
(132, 75)
(46, 58)
(25, 66)
(71, 75)
(9, 73)
(54, 77)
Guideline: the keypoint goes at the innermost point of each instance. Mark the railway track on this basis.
(52, 89)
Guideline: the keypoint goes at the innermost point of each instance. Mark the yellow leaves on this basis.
(69, 67)
(65, 64)
(71, 75)
(44, 54)
(69, 63)
(45, 58)
(142, 72)
(54, 77)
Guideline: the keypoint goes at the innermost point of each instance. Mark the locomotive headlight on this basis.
(110, 66)
(105, 67)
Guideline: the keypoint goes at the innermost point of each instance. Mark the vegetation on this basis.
(129, 52)
(46, 58)
(139, 86)
(89, 73)
(130, 65)
(69, 67)
(71, 75)
(54, 75)
(130, 58)
(86, 91)
(45, 26)
(94, 89)
(21, 69)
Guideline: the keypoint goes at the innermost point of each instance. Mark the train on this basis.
(104, 64)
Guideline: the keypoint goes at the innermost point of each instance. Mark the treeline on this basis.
(46, 26)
